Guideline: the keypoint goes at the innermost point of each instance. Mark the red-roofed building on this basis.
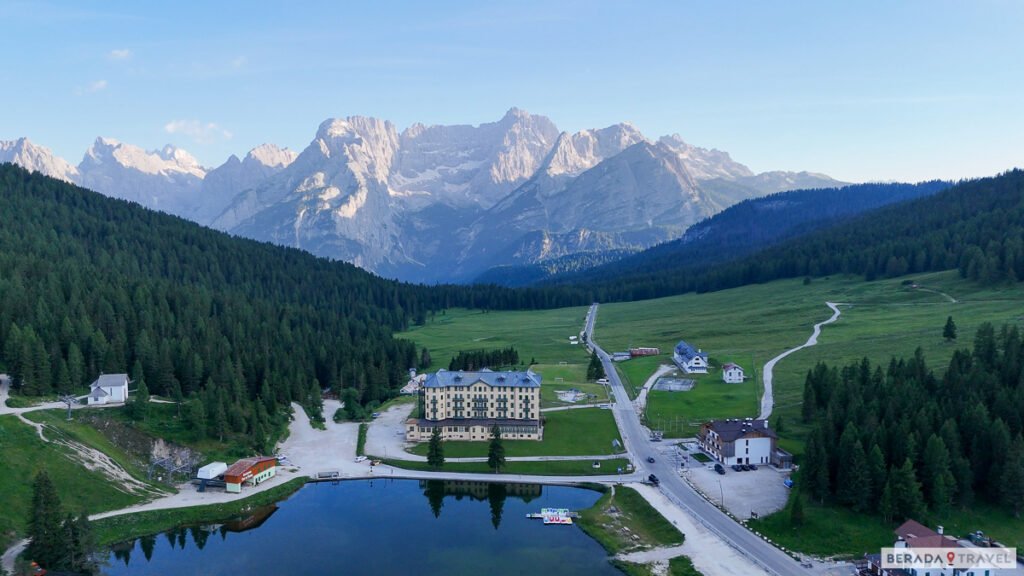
(251, 471)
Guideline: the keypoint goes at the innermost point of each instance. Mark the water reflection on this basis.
(349, 527)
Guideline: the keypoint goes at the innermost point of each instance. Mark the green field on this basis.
(680, 414)
(550, 468)
(542, 335)
(582, 432)
(563, 377)
(24, 455)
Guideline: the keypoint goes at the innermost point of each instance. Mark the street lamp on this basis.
(722, 492)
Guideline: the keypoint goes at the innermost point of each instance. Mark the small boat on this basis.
(560, 516)
(563, 520)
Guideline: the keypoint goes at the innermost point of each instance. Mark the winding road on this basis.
(768, 398)
(637, 443)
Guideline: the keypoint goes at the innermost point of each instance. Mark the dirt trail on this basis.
(768, 399)
(641, 399)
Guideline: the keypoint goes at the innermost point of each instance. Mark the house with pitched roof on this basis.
(732, 373)
(109, 389)
(914, 535)
(689, 359)
(742, 441)
(467, 405)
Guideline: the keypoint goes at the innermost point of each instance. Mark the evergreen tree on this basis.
(79, 542)
(195, 418)
(424, 359)
(595, 370)
(139, 405)
(779, 425)
(46, 545)
(938, 481)
(809, 409)
(435, 450)
(496, 450)
(949, 331)
(877, 471)
(907, 501)
(855, 487)
(814, 477)
(796, 510)
(1012, 493)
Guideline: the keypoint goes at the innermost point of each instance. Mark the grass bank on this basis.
(24, 455)
(621, 514)
(129, 526)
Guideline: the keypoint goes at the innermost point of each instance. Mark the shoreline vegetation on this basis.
(133, 525)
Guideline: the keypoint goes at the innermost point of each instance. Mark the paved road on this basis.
(637, 442)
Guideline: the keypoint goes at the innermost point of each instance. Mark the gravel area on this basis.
(759, 491)
(386, 435)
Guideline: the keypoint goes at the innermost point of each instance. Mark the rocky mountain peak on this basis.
(31, 156)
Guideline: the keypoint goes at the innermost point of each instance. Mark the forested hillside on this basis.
(976, 226)
(899, 440)
(754, 225)
(90, 284)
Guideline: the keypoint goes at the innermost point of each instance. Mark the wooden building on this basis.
(251, 471)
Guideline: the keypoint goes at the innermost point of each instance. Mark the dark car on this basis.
(746, 467)
(653, 479)
(737, 468)
(650, 459)
(753, 466)
(719, 469)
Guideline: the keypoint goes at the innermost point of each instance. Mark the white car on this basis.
(360, 458)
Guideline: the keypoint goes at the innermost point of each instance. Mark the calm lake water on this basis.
(383, 527)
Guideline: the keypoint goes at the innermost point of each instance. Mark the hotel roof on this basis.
(447, 379)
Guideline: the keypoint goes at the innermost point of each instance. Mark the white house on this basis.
(690, 360)
(738, 441)
(732, 373)
(911, 535)
(109, 389)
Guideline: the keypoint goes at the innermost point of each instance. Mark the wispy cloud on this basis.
(120, 54)
(200, 132)
(91, 88)
(239, 62)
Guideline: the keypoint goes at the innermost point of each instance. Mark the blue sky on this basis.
(859, 90)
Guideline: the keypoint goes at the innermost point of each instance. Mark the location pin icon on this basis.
(950, 556)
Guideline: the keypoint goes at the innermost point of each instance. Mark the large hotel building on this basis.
(466, 405)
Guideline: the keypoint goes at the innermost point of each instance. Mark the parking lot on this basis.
(758, 491)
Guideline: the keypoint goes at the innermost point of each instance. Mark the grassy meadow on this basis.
(24, 456)
(583, 432)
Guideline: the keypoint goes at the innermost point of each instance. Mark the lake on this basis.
(382, 527)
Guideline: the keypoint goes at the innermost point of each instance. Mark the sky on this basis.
(871, 90)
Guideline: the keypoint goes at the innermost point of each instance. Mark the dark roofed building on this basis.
(742, 441)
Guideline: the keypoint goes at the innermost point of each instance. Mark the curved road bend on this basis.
(637, 443)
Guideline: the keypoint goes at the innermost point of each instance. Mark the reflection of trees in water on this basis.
(494, 493)
(178, 537)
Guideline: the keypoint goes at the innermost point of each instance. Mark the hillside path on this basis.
(768, 398)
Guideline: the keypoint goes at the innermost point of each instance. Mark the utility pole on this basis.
(69, 400)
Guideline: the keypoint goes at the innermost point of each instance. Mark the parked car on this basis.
(653, 479)
(650, 459)
(737, 468)
(745, 467)
(719, 469)
(360, 458)
(753, 466)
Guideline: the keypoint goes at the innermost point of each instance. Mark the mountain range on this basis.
(435, 203)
